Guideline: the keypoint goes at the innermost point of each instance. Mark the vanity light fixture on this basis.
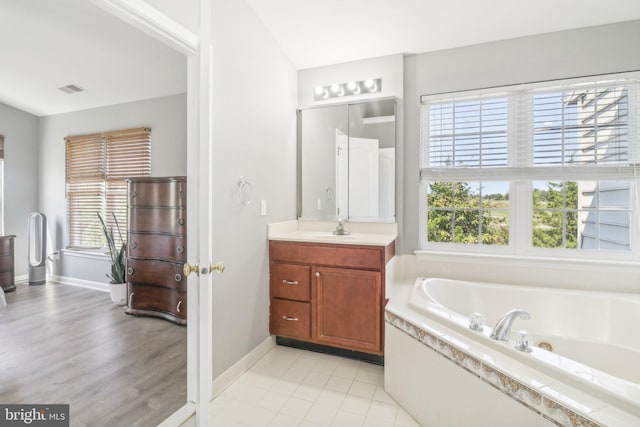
(353, 87)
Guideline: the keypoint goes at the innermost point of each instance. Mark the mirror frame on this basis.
(299, 111)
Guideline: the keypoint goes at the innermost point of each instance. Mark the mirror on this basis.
(346, 162)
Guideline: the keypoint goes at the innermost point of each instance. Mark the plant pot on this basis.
(118, 293)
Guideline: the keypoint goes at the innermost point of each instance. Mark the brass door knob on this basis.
(188, 269)
(218, 267)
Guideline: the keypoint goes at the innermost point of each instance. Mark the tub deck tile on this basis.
(558, 413)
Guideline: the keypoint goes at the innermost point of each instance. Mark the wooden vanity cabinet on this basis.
(329, 294)
(156, 249)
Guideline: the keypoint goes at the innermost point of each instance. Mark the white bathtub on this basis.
(592, 375)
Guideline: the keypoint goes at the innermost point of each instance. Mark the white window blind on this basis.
(563, 130)
(97, 166)
(552, 143)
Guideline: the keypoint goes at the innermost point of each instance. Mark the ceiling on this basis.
(48, 44)
(315, 33)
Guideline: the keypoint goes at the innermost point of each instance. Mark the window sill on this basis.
(567, 262)
(97, 254)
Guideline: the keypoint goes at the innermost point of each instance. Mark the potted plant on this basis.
(118, 283)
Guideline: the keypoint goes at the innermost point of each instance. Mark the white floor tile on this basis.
(403, 419)
(361, 389)
(356, 404)
(283, 420)
(331, 399)
(382, 411)
(296, 407)
(339, 384)
(347, 419)
(308, 392)
(321, 414)
(317, 379)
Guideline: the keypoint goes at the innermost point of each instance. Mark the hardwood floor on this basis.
(66, 344)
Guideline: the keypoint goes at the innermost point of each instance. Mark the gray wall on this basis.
(594, 50)
(167, 118)
(20, 130)
(254, 130)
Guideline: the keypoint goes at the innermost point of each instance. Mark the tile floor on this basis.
(291, 387)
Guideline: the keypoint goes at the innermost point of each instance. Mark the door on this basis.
(199, 180)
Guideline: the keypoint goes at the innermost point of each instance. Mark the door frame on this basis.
(154, 23)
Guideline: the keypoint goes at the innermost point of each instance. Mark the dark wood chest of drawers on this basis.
(7, 272)
(157, 248)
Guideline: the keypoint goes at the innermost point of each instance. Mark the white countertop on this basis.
(372, 234)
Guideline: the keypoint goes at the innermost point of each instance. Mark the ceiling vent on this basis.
(71, 89)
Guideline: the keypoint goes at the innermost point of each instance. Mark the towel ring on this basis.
(245, 190)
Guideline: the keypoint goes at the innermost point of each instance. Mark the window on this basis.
(532, 168)
(97, 166)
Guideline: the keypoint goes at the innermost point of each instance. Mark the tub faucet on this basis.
(340, 230)
(502, 328)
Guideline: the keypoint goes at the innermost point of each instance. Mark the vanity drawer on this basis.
(165, 220)
(365, 257)
(171, 193)
(291, 282)
(157, 246)
(290, 318)
(158, 273)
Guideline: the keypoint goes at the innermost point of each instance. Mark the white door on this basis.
(363, 177)
(199, 187)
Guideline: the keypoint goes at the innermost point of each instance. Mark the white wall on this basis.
(254, 136)
(20, 130)
(167, 118)
(594, 50)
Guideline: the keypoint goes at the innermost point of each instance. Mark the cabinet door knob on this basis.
(178, 306)
(133, 245)
(178, 277)
(290, 282)
(131, 298)
(133, 194)
(130, 270)
(180, 221)
(180, 249)
(290, 319)
(317, 274)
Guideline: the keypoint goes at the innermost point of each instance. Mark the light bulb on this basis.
(319, 90)
(334, 88)
(351, 86)
(370, 84)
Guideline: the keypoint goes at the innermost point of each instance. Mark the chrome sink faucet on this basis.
(503, 327)
(340, 230)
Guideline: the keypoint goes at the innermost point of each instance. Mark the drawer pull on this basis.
(178, 306)
(180, 249)
(131, 298)
(290, 319)
(178, 277)
(290, 282)
(133, 245)
(130, 270)
(180, 221)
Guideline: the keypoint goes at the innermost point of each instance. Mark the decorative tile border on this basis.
(532, 399)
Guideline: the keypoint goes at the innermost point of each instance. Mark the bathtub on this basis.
(590, 377)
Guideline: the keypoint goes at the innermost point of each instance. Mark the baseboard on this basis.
(225, 379)
(104, 287)
(24, 278)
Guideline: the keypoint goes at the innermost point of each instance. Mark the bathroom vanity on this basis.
(330, 294)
